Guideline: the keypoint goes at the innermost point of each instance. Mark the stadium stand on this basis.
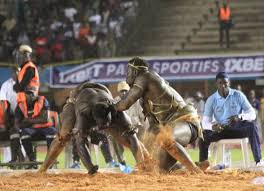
(247, 34)
(191, 27)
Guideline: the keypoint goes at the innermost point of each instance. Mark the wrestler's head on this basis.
(135, 67)
(102, 114)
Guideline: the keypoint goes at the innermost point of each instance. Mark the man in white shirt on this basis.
(7, 93)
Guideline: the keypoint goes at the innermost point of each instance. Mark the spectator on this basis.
(55, 25)
(34, 120)
(28, 76)
(10, 23)
(23, 37)
(262, 112)
(57, 51)
(199, 103)
(70, 11)
(68, 39)
(256, 105)
(103, 46)
(188, 99)
(76, 26)
(87, 40)
(8, 95)
(42, 51)
(95, 18)
(254, 101)
(225, 22)
(7, 92)
(239, 87)
(107, 17)
(233, 116)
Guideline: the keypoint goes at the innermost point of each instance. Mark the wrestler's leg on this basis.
(166, 161)
(173, 140)
(81, 139)
(57, 145)
(131, 141)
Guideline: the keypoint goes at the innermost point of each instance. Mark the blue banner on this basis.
(184, 68)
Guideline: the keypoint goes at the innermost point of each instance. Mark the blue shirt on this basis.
(222, 108)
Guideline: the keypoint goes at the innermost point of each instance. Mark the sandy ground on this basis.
(214, 181)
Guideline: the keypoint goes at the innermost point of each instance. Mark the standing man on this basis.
(199, 103)
(173, 123)
(255, 102)
(28, 76)
(225, 22)
(233, 116)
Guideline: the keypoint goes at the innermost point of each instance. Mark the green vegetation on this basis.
(236, 156)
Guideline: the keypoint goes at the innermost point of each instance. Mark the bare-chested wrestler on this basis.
(88, 106)
(173, 123)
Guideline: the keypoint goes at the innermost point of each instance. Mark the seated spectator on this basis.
(234, 118)
(32, 117)
(8, 132)
(7, 109)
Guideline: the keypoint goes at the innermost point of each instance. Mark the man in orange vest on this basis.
(28, 76)
(34, 118)
(224, 17)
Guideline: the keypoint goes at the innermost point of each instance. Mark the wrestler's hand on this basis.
(217, 127)
(233, 119)
(93, 170)
(112, 108)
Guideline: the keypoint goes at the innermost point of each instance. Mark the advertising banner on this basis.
(184, 68)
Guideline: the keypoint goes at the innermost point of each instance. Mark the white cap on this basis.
(199, 94)
(25, 48)
(122, 86)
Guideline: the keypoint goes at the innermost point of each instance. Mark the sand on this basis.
(234, 180)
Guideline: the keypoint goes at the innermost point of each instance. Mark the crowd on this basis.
(65, 30)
